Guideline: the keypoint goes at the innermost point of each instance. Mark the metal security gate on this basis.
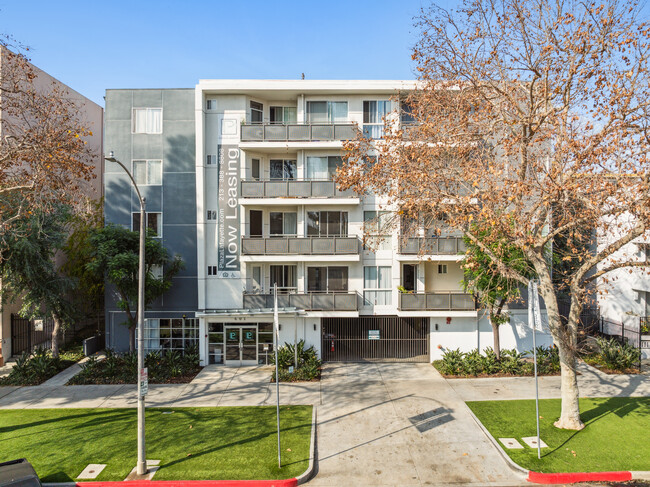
(375, 339)
(25, 338)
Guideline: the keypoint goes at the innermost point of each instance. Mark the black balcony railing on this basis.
(292, 189)
(432, 245)
(337, 301)
(309, 132)
(437, 301)
(300, 246)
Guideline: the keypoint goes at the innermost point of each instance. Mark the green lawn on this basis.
(615, 436)
(192, 443)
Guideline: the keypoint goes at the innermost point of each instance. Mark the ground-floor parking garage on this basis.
(375, 338)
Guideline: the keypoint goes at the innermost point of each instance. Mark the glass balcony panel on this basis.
(322, 132)
(275, 132)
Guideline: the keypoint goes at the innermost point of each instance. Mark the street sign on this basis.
(537, 314)
(373, 335)
(144, 381)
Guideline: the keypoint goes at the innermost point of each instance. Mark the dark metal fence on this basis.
(375, 338)
(27, 335)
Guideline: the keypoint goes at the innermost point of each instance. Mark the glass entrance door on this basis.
(241, 345)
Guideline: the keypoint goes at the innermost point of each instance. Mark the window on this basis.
(211, 159)
(212, 270)
(327, 223)
(284, 276)
(377, 286)
(211, 104)
(255, 168)
(154, 222)
(376, 228)
(147, 120)
(171, 334)
(147, 172)
(212, 214)
(283, 115)
(442, 268)
(327, 279)
(283, 224)
(644, 252)
(257, 279)
(373, 114)
(407, 115)
(156, 271)
(257, 112)
(323, 167)
(283, 169)
(327, 111)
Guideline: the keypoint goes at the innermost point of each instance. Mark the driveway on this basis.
(400, 424)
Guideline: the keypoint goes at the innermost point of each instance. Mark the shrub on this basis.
(548, 360)
(616, 355)
(473, 363)
(35, 368)
(489, 361)
(452, 362)
(309, 365)
(511, 361)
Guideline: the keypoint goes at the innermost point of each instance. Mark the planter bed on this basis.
(33, 370)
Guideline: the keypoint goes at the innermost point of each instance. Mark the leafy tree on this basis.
(115, 255)
(29, 272)
(88, 295)
(44, 157)
(494, 290)
(536, 123)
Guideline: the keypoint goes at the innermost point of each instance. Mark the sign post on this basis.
(535, 320)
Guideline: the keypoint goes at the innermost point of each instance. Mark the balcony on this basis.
(432, 246)
(436, 301)
(300, 246)
(313, 132)
(343, 301)
(292, 189)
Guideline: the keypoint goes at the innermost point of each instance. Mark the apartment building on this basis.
(238, 180)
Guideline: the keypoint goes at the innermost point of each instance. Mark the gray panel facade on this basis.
(175, 198)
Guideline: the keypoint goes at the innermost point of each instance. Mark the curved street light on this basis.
(142, 462)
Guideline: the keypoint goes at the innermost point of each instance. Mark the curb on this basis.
(513, 466)
(573, 477)
(180, 483)
(309, 473)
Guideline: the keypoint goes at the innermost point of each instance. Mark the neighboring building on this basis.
(624, 294)
(238, 180)
(92, 116)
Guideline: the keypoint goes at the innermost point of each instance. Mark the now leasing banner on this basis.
(228, 230)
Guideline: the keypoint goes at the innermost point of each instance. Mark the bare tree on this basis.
(533, 124)
(44, 157)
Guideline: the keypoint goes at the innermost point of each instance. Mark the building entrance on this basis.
(241, 345)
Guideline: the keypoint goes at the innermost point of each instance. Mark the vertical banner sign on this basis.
(228, 230)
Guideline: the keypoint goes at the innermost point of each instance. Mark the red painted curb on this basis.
(573, 477)
(193, 483)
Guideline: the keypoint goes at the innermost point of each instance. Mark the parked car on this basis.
(18, 473)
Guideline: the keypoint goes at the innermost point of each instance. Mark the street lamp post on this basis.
(142, 462)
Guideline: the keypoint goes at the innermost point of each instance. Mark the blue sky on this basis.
(92, 46)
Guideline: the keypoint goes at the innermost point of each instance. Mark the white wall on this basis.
(465, 334)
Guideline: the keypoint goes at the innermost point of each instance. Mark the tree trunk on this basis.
(55, 334)
(132, 338)
(565, 339)
(495, 336)
(570, 415)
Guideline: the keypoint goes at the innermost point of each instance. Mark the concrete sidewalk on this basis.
(379, 424)
(591, 383)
